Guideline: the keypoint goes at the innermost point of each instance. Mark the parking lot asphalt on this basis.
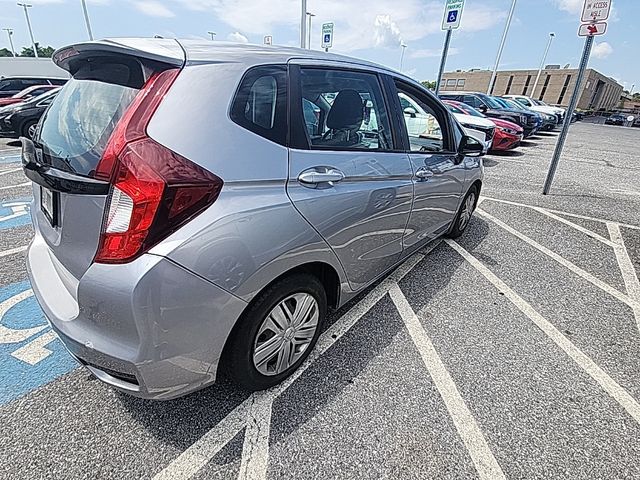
(513, 352)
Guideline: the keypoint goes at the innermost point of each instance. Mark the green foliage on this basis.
(42, 51)
(5, 52)
(430, 84)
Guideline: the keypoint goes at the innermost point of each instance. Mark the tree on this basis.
(5, 52)
(430, 84)
(42, 52)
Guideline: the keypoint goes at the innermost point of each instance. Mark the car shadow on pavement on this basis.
(182, 421)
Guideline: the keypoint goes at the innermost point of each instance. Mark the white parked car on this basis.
(419, 122)
(538, 106)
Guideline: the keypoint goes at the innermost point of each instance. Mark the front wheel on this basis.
(465, 211)
(28, 130)
(277, 333)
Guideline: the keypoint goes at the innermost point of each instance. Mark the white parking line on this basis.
(11, 251)
(189, 462)
(562, 261)
(574, 215)
(575, 226)
(607, 383)
(255, 451)
(486, 464)
(7, 187)
(627, 269)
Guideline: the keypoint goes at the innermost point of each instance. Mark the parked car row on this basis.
(23, 100)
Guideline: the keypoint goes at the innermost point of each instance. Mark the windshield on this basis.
(539, 102)
(454, 109)
(469, 110)
(502, 103)
(492, 102)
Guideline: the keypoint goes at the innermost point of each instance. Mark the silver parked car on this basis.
(199, 206)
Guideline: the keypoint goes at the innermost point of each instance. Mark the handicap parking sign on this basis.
(453, 16)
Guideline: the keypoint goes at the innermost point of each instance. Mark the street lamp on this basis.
(404, 47)
(26, 14)
(9, 33)
(86, 19)
(544, 58)
(310, 15)
(501, 47)
(303, 23)
(213, 35)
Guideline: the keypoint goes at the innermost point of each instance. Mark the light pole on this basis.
(544, 58)
(26, 14)
(303, 24)
(404, 47)
(9, 33)
(501, 47)
(86, 18)
(213, 35)
(310, 15)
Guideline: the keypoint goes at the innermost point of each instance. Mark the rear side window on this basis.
(76, 128)
(260, 104)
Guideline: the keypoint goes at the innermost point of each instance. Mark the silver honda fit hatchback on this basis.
(198, 206)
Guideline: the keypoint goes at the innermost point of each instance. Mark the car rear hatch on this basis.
(104, 191)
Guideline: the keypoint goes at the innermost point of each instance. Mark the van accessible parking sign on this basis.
(452, 14)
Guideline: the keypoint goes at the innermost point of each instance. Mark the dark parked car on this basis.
(9, 86)
(23, 118)
(616, 119)
(488, 105)
(548, 120)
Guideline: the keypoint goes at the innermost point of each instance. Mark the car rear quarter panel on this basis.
(252, 233)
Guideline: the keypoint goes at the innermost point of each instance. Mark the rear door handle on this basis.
(318, 175)
(424, 173)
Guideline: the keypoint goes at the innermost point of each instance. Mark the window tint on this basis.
(471, 100)
(424, 125)
(344, 110)
(260, 104)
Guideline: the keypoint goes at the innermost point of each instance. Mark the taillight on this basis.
(155, 190)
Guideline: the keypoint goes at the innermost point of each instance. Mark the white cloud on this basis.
(432, 52)
(357, 26)
(153, 9)
(602, 50)
(385, 32)
(237, 37)
(571, 6)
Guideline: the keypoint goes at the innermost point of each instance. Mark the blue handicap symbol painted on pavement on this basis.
(31, 355)
(14, 213)
(453, 16)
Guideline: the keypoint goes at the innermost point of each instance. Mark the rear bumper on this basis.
(149, 327)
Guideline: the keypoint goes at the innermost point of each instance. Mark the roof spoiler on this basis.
(166, 51)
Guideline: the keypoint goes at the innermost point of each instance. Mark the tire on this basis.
(465, 211)
(24, 131)
(256, 330)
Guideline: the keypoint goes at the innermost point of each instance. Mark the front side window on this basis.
(344, 110)
(424, 125)
(260, 103)
(473, 101)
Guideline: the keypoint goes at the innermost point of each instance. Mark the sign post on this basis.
(450, 21)
(594, 12)
(327, 36)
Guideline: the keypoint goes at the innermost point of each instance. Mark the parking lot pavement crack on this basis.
(483, 459)
(562, 261)
(603, 379)
(190, 461)
(627, 269)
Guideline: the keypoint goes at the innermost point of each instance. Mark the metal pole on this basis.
(443, 60)
(310, 15)
(567, 120)
(303, 24)
(86, 19)
(501, 47)
(212, 35)
(9, 33)
(404, 47)
(544, 57)
(26, 14)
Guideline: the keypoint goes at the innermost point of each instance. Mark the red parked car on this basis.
(507, 135)
(26, 94)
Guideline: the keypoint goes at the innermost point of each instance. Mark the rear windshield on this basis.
(76, 128)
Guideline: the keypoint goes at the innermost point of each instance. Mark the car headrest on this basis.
(347, 111)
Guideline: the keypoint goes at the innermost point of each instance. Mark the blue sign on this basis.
(327, 38)
(453, 16)
(14, 213)
(31, 355)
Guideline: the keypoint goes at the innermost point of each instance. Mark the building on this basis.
(629, 104)
(555, 86)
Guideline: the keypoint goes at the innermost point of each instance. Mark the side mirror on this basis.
(483, 108)
(470, 147)
(410, 111)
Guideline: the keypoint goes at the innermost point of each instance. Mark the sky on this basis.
(371, 29)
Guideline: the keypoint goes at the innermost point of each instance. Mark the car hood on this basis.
(506, 124)
(513, 111)
(471, 120)
(548, 109)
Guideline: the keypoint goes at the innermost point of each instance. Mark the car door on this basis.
(439, 174)
(349, 177)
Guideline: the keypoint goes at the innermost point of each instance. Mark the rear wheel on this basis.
(464, 213)
(277, 333)
(28, 130)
